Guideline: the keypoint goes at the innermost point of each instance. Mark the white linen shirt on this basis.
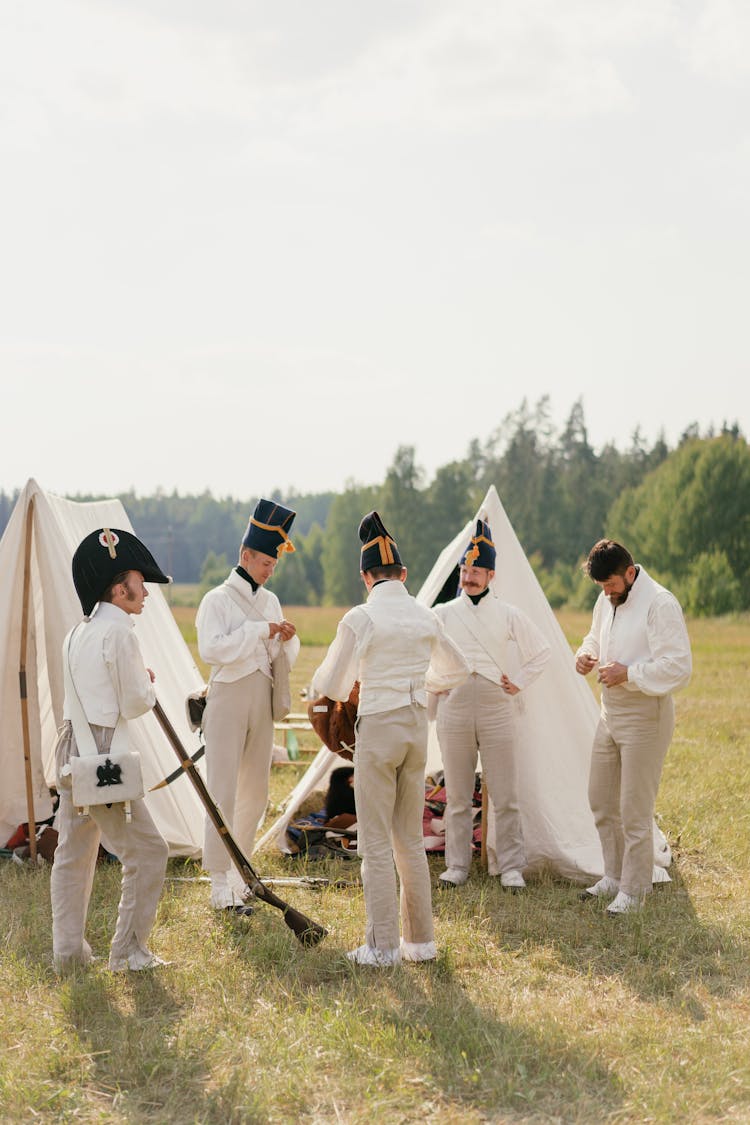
(395, 647)
(497, 623)
(107, 667)
(234, 643)
(647, 634)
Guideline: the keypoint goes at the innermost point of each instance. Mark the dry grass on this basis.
(539, 1008)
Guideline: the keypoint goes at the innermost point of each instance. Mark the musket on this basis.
(315, 882)
(309, 933)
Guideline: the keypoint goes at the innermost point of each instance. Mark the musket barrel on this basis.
(306, 931)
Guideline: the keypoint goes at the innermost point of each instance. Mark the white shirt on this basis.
(647, 634)
(395, 647)
(107, 668)
(484, 631)
(234, 643)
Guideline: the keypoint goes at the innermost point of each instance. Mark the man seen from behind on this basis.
(396, 649)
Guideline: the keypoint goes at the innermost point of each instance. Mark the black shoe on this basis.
(238, 910)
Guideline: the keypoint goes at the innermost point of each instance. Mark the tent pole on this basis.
(22, 680)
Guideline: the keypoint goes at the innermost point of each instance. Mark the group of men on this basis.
(404, 656)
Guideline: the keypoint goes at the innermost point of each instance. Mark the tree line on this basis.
(684, 513)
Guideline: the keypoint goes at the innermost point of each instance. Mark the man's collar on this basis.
(634, 592)
(475, 599)
(248, 578)
(378, 588)
(105, 611)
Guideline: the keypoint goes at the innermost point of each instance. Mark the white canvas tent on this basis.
(557, 717)
(35, 568)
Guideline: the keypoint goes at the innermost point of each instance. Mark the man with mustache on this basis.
(640, 644)
(479, 717)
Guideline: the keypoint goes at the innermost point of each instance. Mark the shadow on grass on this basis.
(502, 1065)
(395, 1040)
(116, 1046)
(145, 1054)
(663, 954)
(381, 1044)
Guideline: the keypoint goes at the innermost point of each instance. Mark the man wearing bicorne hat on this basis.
(108, 676)
(240, 630)
(397, 649)
(479, 716)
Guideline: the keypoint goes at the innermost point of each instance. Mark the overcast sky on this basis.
(248, 245)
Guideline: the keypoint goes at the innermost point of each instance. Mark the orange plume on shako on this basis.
(481, 549)
(268, 529)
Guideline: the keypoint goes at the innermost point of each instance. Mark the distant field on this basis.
(183, 594)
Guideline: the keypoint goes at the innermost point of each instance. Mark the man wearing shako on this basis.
(111, 685)
(396, 648)
(240, 629)
(479, 717)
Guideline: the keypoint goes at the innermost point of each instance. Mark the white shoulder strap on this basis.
(81, 729)
(246, 608)
(493, 645)
(243, 603)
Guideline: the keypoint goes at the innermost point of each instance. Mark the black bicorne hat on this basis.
(378, 547)
(104, 554)
(268, 529)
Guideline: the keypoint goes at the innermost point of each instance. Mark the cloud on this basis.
(286, 68)
(88, 64)
(467, 66)
(718, 42)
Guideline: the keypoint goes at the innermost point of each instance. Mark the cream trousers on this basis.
(238, 726)
(478, 718)
(389, 768)
(140, 849)
(630, 746)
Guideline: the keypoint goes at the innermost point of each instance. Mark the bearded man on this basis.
(640, 645)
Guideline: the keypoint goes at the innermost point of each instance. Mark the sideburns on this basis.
(129, 591)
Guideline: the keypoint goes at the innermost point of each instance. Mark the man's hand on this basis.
(151, 675)
(585, 663)
(612, 674)
(508, 687)
(283, 629)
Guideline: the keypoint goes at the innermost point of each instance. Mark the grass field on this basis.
(538, 1009)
